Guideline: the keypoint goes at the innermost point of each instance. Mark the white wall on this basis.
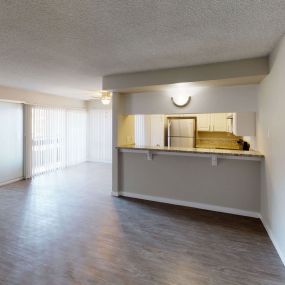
(271, 141)
(204, 100)
(11, 141)
(37, 98)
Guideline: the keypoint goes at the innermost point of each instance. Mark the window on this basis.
(58, 138)
(100, 135)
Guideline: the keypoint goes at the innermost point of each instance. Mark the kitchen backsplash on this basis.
(223, 140)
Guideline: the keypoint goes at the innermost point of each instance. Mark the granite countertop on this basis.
(227, 152)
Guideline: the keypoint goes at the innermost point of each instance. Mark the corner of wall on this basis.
(271, 141)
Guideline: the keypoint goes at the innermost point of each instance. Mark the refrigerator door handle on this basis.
(168, 132)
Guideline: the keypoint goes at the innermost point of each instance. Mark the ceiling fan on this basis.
(104, 96)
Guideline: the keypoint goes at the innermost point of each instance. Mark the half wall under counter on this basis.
(213, 179)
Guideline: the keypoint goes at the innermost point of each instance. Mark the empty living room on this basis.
(142, 142)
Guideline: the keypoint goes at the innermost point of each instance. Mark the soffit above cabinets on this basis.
(242, 72)
(251, 80)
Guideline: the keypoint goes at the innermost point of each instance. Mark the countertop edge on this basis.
(201, 152)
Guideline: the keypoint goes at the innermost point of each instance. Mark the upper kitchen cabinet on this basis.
(157, 123)
(203, 122)
(244, 124)
(212, 122)
(219, 122)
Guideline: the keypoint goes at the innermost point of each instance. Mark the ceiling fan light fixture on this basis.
(106, 97)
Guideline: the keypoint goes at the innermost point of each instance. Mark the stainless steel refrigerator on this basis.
(181, 132)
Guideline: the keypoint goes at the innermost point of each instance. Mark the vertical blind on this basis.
(142, 130)
(58, 138)
(149, 130)
(76, 141)
(100, 135)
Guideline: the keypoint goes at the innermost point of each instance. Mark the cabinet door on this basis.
(219, 122)
(244, 124)
(204, 122)
(157, 130)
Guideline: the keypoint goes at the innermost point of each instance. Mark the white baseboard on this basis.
(115, 194)
(192, 204)
(11, 181)
(273, 240)
(207, 207)
(99, 161)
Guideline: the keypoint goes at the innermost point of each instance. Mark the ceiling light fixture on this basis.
(181, 101)
(106, 97)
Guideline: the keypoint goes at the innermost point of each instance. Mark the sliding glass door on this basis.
(58, 138)
(76, 144)
(100, 135)
(11, 142)
(48, 139)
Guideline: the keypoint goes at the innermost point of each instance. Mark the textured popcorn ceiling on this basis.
(64, 46)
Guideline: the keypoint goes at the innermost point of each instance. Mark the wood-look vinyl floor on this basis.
(65, 228)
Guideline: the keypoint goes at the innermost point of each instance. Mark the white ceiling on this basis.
(64, 47)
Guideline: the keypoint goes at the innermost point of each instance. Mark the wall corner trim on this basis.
(273, 240)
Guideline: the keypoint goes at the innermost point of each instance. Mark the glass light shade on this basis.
(106, 101)
(181, 100)
(106, 98)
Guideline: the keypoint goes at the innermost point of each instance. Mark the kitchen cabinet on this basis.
(212, 122)
(244, 124)
(204, 122)
(157, 130)
(219, 122)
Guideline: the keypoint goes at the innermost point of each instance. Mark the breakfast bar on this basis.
(213, 154)
(213, 179)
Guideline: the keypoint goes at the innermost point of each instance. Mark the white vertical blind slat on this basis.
(100, 135)
(58, 138)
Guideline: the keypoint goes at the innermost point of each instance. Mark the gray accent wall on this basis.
(232, 184)
(245, 68)
(203, 100)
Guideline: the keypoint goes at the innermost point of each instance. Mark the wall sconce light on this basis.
(181, 101)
